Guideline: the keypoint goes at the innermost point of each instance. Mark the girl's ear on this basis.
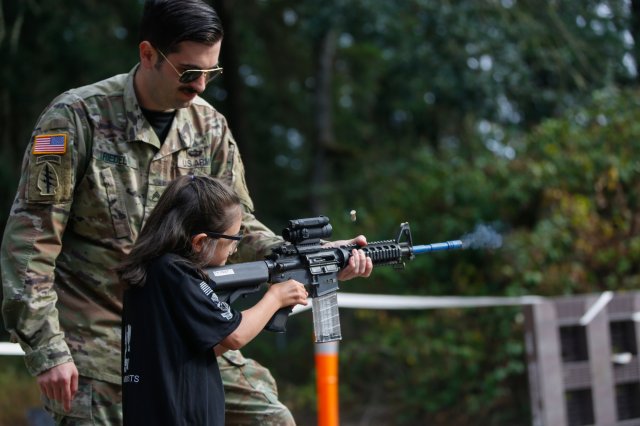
(197, 242)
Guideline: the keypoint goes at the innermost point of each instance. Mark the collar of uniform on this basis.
(138, 128)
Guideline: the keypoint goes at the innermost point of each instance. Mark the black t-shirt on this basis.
(160, 121)
(170, 375)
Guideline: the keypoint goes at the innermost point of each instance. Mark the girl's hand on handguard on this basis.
(359, 264)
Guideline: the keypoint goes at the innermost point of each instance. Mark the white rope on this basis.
(383, 301)
(7, 348)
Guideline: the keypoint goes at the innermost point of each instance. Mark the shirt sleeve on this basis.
(258, 238)
(196, 307)
(33, 238)
(257, 242)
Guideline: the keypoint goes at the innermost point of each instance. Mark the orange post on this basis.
(326, 355)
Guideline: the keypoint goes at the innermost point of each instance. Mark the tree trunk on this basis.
(323, 122)
(230, 61)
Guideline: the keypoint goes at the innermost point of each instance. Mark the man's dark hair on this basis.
(165, 23)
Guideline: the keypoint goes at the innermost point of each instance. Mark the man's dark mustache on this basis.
(190, 90)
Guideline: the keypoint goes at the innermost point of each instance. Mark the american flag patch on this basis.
(50, 144)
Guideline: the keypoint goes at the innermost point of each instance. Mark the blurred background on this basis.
(520, 114)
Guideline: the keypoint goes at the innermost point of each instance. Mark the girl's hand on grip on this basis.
(289, 293)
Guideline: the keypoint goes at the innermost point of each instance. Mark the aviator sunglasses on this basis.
(189, 76)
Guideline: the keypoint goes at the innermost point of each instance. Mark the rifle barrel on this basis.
(447, 245)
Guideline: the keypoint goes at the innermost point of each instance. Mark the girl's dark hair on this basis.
(189, 205)
(165, 23)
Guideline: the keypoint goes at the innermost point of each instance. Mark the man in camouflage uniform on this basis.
(99, 159)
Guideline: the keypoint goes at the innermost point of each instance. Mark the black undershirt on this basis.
(160, 121)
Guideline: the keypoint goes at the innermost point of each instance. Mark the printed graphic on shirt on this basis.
(127, 347)
(128, 378)
(224, 308)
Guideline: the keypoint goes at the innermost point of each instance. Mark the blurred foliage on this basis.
(19, 392)
(466, 77)
(567, 206)
(514, 113)
(584, 173)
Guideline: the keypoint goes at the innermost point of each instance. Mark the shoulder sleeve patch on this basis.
(55, 144)
(50, 169)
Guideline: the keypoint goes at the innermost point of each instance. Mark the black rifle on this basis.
(304, 258)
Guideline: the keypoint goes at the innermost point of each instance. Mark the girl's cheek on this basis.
(217, 259)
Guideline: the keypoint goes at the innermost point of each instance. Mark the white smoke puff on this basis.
(483, 236)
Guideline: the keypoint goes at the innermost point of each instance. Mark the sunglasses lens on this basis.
(213, 74)
(189, 76)
(192, 75)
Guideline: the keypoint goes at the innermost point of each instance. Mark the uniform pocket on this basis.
(117, 207)
(247, 377)
(234, 358)
(80, 405)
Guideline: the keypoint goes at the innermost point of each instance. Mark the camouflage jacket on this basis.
(93, 171)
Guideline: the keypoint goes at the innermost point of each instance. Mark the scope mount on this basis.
(308, 230)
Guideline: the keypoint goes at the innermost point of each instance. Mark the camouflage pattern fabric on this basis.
(250, 392)
(92, 173)
(95, 403)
